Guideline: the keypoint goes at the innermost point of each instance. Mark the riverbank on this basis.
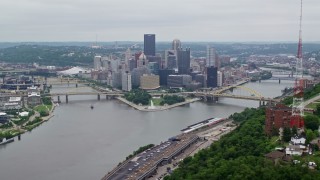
(156, 108)
(28, 126)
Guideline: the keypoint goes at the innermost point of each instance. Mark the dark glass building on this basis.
(164, 73)
(212, 77)
(183, 57)
(150, 44)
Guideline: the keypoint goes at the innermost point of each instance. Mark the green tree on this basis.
(294, 130)
(286, 134)
(311, 122)
(309, 136)
(317, 112)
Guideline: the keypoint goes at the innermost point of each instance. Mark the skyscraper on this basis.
(183, 58)
(126, 81)
(212, 77)
(97, 63)
(176, 44)
(211, 56)
(150, 44)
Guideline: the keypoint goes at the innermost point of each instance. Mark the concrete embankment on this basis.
(156, 108)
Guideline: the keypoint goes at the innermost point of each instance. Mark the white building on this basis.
(211, 57)
(298, 140)
(126, 82)
(220, 79)
(142, 61)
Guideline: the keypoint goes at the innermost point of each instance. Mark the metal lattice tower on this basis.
(298, 105)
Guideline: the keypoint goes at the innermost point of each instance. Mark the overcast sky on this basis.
(188, 20)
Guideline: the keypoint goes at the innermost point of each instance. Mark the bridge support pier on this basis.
(279, 80)
(263, 103)
(59, 99)
(76, 85)
(216, 99)
(260, 103)
(67, 100)
(98, 97)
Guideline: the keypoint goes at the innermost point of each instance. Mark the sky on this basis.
(187, 20)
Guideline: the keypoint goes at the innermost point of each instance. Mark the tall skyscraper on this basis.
(150, 44)
(220, 79)
(211, 56)
(126, 81)
(97, 63)
(183, 58)
(170, 59)
(176, 44)
(212, 77)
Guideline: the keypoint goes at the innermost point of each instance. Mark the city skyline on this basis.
(210, 21)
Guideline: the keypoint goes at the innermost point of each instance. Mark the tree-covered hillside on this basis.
(51, 55)
(240, 155)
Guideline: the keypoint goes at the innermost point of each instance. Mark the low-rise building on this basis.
(34, 99)
(149, 82)
(295, 150)
(179, 80)
(298, 140)
(13, 103)
(3, 118)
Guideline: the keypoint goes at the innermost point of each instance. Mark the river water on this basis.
(83, 143)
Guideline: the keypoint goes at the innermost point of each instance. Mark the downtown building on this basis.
(150, 44)
(212, 77)
(164, 73)
(178, 81)
(126, 81)
(212, 57)
(149, 82)
(183, 58)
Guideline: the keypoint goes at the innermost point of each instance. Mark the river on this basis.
(83, 143)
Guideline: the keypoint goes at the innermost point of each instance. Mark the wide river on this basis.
(83, 143)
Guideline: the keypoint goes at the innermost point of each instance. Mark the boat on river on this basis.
(6, 141)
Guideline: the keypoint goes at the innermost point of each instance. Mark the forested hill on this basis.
(50, 55)
(240, 155)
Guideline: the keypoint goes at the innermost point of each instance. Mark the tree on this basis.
(309, 136)
(286, 134)
(294, 130)
(317, 112)
(311, 122)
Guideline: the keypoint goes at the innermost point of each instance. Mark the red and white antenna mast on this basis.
(298, 105)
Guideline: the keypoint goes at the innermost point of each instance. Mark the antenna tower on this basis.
(298, 104)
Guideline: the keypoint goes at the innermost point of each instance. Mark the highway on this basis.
(146, 163)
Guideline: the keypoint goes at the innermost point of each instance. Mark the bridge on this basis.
(223, 92)
(109, 95)
(206, 94)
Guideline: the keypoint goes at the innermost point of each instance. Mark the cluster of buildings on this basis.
(175, 68)
(310, 64)
(17, 91)
(278, 118)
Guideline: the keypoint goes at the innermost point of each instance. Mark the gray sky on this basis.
(188, 20)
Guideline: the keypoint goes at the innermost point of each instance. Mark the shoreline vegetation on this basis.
(143, 101)
(19, 125)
